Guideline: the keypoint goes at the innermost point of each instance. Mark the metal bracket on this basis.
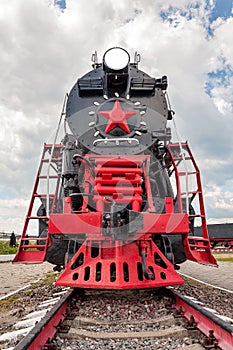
(117, 140)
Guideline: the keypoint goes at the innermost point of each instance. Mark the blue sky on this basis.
(222, 8)
(60, 3)
(46, 45)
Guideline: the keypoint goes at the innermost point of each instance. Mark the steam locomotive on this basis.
(119, 199)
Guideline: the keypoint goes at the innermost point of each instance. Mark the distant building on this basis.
(7, 235)
(217, 231)
(221, 235)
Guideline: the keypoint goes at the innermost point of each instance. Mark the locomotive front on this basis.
(121, 215)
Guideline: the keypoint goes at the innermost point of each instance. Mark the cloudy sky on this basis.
(46, 45)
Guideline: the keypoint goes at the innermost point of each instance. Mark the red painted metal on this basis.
(117, 189)
(117, 266)
(196, 248)
(113, 170)
(90, 223)
(45, 329)
(206, 321)
(122, 180)
(49, 330)
(221, 244)
(222, 249)
(118, 263)
(28, 251)
(117, 117)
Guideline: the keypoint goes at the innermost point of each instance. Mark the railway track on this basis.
(142, 319)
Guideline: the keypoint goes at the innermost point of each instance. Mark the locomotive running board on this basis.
(117, 266)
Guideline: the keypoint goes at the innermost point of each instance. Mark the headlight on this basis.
(116, 59)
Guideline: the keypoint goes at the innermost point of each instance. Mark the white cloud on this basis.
(223, 106)
(219, 200)
(44, 50)
(12, 212)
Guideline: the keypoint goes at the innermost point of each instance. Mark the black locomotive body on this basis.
(122, 215)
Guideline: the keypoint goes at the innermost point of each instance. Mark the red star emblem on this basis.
(117, 116)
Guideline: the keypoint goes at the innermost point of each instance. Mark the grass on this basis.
(8, 301)
(48, 280)
(6, 249)
(224, 259)
(223, 256)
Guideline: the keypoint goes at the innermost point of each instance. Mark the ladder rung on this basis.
(49, 146)
(34, 238)
(37, 217)
(192, 192)
(50, 177)
(198, 247)
(198, 239)
(32, 249)
(196, 215)
(181, 158)
(183, 173)
(43, 195)
(46, 160)
(32, 246)
(29, 239)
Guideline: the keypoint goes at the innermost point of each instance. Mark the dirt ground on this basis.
(15, 276)
(221, 277)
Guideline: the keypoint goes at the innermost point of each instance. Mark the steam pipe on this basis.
(148, 275)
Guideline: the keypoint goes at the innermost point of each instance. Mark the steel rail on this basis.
(205, 321)
(40, 336)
